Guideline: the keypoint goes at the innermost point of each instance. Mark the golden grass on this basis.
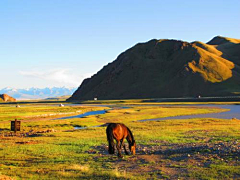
(212, 67)
(236, 41)
(210, 48)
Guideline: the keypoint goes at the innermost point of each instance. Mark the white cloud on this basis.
(56, 76)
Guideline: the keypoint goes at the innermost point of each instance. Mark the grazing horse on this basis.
(119, 132)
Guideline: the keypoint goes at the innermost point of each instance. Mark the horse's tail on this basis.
(110, 139)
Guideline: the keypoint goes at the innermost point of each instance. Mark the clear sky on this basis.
(46, 43)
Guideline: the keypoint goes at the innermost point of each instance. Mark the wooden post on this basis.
(15, 125)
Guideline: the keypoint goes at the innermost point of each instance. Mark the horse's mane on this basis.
(131, 135)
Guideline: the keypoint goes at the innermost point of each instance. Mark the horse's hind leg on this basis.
(119, 149)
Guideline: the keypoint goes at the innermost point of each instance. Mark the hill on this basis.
(168, 68)
(6, 98)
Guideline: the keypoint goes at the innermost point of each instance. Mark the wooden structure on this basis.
(15, 125)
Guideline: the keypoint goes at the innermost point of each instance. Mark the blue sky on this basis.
(46, 43)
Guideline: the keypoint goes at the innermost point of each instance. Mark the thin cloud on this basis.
(59, 76)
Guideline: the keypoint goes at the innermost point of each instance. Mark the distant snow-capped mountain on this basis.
(37, 93)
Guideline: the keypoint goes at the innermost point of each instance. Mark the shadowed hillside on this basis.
(168, 68)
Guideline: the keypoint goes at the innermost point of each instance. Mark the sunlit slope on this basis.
(210, 64)
(6, 98)
(168, 68)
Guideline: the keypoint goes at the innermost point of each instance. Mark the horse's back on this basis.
(119, 130)
(116, 125)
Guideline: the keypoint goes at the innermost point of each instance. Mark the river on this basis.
(234, 112)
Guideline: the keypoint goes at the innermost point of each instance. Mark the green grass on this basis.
(9, 111)
(215, 171)
(66, 153)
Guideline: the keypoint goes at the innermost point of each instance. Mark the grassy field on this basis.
(50, 148)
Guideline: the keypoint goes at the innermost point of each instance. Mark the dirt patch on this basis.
(170, 161)
(30, 133)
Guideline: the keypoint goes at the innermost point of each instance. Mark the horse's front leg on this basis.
(119, 149)
(124, 146)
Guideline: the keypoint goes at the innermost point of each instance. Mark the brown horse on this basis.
(119, 132)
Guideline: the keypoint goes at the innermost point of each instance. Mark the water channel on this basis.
(234, 112)
(84, 114)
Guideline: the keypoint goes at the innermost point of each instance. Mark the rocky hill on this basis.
(168, 68)
(6, 98)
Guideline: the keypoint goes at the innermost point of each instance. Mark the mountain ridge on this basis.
(37, 93)
(168, 68)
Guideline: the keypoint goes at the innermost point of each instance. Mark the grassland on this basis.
(50, 148)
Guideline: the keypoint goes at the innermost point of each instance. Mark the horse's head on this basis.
(133, 147)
